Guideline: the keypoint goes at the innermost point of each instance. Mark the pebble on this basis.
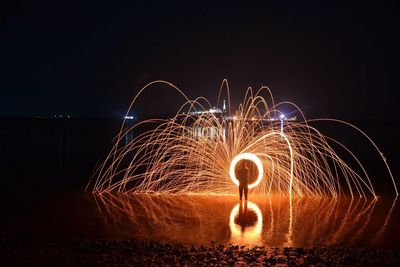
(60, 251)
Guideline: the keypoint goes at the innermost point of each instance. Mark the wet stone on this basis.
(42, 251)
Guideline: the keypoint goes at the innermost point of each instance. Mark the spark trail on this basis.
(195, 152)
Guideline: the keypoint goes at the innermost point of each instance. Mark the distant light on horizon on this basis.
(129, 117)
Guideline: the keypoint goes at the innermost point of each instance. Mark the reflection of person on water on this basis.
(243, 174)
(246, 218)
(242, 218)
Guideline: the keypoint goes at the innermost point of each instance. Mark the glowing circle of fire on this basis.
(255, 160)
(192, 152)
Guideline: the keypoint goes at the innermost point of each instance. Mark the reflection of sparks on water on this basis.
(249, 234)
(167, 217)
(385, 224)
(199, 219)
(289, 241)
(173, 157)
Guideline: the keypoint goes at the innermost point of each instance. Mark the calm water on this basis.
(46, 164)
(202, 219)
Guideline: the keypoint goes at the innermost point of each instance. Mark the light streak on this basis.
(195, 152)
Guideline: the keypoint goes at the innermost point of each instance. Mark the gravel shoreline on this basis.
(61, 251)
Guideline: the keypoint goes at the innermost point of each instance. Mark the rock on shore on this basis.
(61, 251)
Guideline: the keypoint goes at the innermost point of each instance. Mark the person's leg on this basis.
(240, 191)
(246, 190)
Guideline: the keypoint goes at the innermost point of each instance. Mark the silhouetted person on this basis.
(243, 178)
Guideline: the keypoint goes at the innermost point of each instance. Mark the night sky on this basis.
(90, 59)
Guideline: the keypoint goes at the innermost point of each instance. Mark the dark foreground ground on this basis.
(59, 251)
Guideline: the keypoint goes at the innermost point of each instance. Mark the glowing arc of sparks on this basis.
(174, 158)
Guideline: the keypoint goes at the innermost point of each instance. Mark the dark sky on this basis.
(90, 58)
